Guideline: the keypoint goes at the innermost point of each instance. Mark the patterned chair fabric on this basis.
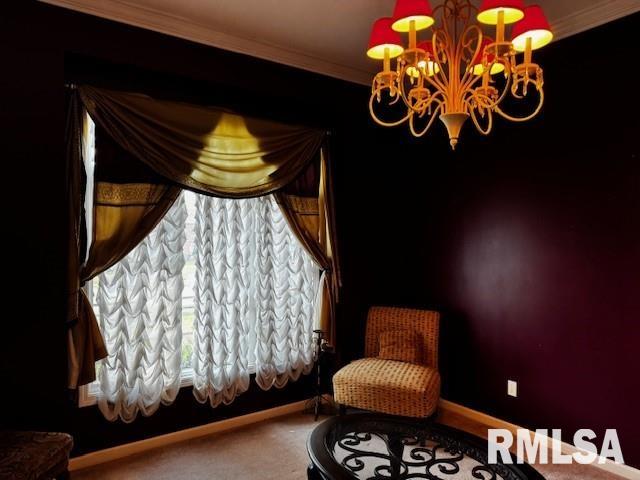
(401, 345)
(389, 386)
(34, 455)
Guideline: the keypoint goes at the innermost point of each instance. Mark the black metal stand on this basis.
(315, 404)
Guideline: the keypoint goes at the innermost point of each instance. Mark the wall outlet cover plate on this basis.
(512, 388)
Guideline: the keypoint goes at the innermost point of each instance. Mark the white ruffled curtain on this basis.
(285, 286)
(139, 302)
(254, 299)
(222, 300)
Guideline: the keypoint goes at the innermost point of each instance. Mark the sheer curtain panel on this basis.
(222, 298)
(140, 309)
(286, 283)
(233, 272)
(255, 299)
(310, 214)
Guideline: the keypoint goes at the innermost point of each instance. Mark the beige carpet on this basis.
(274, 449)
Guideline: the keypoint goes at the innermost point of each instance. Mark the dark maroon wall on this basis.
(528, 241)
(41, 48)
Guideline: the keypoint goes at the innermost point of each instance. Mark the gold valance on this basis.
(204, 148)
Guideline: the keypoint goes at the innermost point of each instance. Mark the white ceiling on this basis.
(324, 36)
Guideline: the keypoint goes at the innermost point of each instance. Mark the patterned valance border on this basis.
(304, 205)
(129, 194)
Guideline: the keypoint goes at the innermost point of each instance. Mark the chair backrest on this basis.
(425, 323)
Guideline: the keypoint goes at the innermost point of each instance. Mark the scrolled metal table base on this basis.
(378, 447)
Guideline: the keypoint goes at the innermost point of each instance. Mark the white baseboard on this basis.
(121, 451)
(619, 469)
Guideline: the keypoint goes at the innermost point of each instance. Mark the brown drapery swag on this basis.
(204, 149)
(312, 221)
(73, 135)
(123, 214)
(84, 341)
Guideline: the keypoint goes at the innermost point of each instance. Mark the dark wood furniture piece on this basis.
(342, 446)
(34, 455)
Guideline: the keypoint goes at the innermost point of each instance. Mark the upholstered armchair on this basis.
(399, 374)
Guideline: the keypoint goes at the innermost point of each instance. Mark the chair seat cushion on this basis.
(388, 386)
(33, 455)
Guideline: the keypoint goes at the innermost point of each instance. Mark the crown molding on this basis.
(187, 29)
(174, 25)
(593, 16)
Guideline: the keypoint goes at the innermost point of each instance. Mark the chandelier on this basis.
(459, 73)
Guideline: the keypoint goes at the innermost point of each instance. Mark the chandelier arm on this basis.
(468, 76)
(471, 95)
(424, 105)
(499, 111)
(479, 98)
(467, 87)
(514, 88)
(439, 87)
(403, 95)
(505, 90)
(436, 10)
(394, 101)
(515, 94)
(438, 80)
(447, 13)
(401, 88)
(493, 104)
(514, 91)
(476, 122)
(470, 80)
(382, 122)
(428, 126)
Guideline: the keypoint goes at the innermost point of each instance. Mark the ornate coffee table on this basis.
(372, 446)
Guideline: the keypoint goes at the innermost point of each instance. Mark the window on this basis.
(234, 258)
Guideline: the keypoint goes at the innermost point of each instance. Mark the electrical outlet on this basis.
(512, 388)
